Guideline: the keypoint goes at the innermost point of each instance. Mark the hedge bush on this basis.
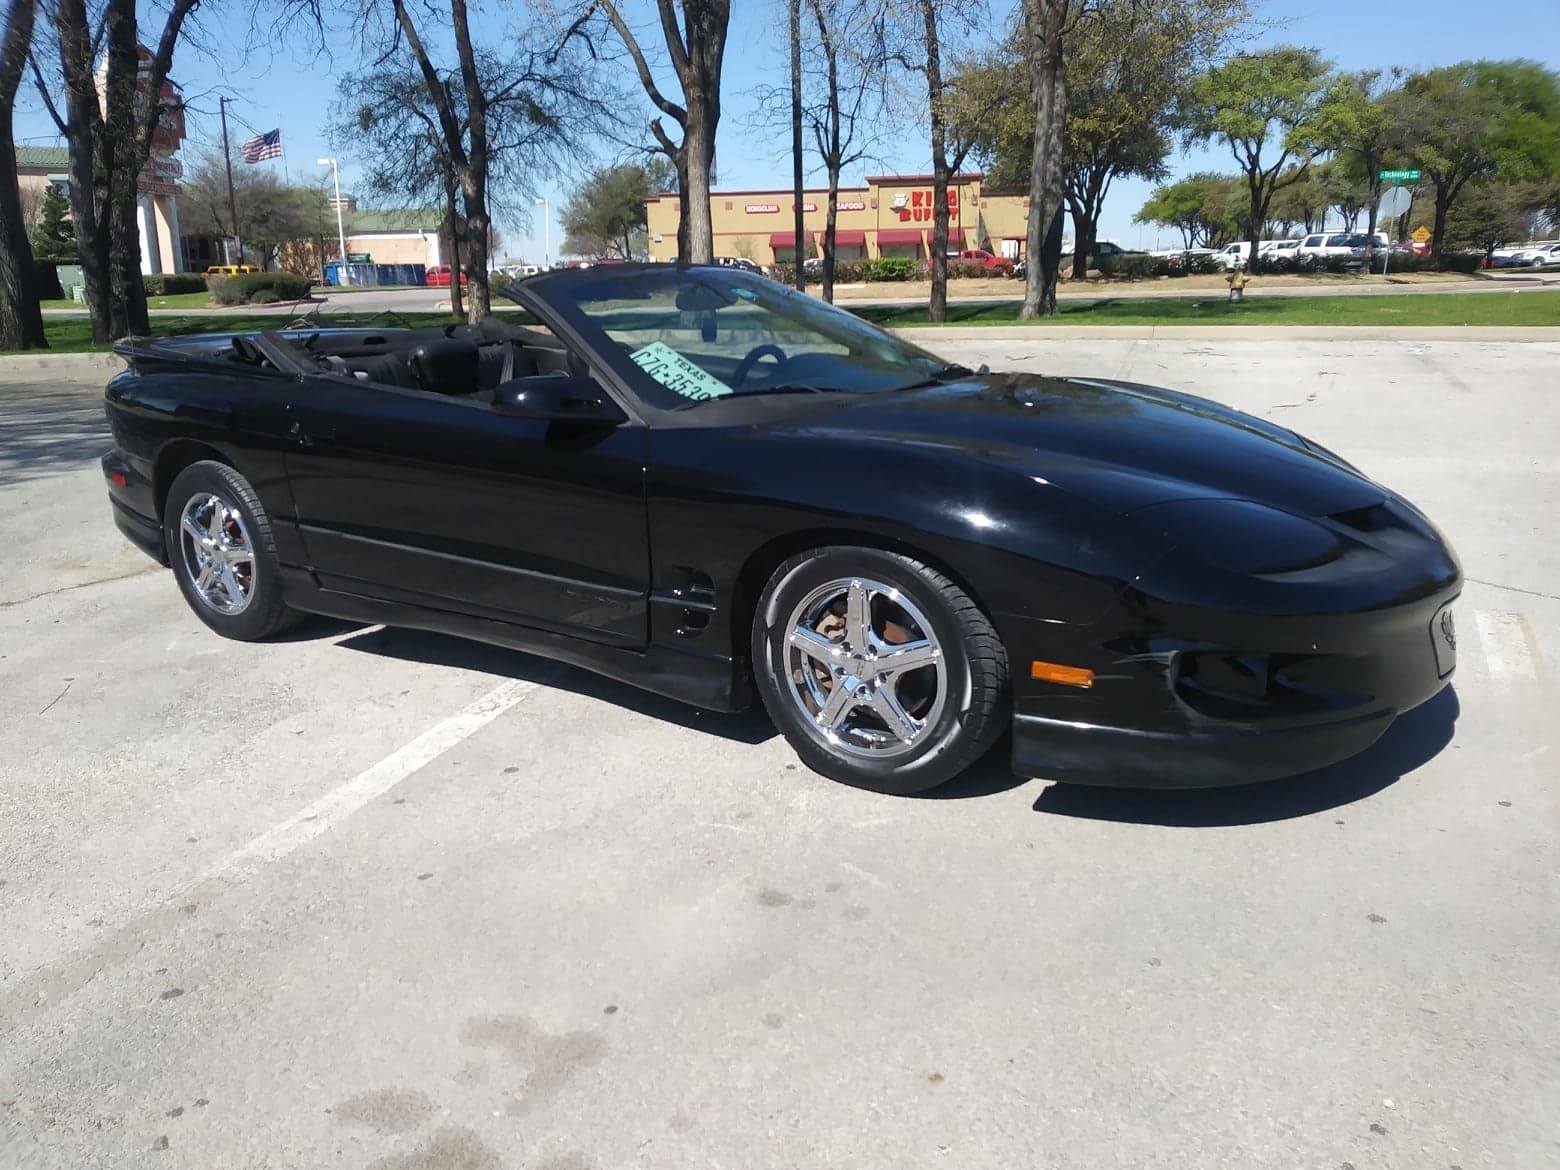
(890, 268)
(242, 288)
(1465, 262)
(170, 283)
(1133, 264)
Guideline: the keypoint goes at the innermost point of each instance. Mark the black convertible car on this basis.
(701, 482)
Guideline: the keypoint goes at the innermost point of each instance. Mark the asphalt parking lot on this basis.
(365, 898)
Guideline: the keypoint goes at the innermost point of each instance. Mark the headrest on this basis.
(446, 366)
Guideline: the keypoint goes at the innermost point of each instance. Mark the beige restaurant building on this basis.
(890, 216)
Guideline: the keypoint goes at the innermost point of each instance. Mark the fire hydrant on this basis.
(1237, 282)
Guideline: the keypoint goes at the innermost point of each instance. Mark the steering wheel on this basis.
(745, 366)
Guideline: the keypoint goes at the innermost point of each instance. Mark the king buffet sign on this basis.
(916, 206)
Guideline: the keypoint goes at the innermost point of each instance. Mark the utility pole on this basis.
(797, 251)
(227, 159)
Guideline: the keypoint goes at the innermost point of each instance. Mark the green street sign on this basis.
(1398, 176)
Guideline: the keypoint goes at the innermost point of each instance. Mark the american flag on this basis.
(263, 146)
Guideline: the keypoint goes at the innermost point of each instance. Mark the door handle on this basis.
(311, 434)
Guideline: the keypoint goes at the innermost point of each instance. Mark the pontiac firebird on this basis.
(702, 483)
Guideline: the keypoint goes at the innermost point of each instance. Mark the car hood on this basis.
(1123, 446)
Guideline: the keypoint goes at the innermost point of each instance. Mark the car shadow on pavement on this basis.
(1414, 738)
(750, 727)
(49, 427)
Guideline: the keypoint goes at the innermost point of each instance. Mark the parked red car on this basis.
(439, 277)
(984, 258)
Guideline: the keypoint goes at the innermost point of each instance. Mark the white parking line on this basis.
(58, 980)
(342, 802)
(1506, 645)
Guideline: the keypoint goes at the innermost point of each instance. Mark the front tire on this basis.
(880, 671)
(223, 554)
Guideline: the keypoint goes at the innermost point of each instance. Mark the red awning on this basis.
(899, 236)
(852, 238)
(782, 239)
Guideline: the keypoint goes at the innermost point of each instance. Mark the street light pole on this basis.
(341, 231)
(227, 158)
(546, 231)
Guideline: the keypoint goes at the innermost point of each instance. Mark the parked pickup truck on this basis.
(983, 258)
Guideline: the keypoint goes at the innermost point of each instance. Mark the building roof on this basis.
(44, 158)
(361, 220)
(961, 177)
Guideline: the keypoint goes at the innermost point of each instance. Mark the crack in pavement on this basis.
(153, 568)
(1513, 588)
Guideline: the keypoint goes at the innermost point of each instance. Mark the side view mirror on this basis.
(558, 398)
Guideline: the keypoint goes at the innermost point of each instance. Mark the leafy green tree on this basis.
(1492, 213)
(1271, 109)
(605, 216)
(1479, 120)
(1363, 128)
(52, 236)
(1302, 203)
(1202, 207)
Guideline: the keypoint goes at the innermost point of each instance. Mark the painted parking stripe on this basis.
(1506, 645)
(55, 982)
(342, 802)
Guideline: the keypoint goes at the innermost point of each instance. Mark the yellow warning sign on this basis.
(1420, 233)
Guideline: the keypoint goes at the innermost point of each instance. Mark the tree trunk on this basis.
(1258, 215)
(696, 231)
(1043, 21)
(832, 155)
(83, 131)
(21, 323)
(1443, 201)
(1051, 265)
(128, 314)
(937, 304)
(456, 307)
(829, 231)
(1083, 238)
(797, 189)
(478, 223)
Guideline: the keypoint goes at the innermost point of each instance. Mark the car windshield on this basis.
(682, 336)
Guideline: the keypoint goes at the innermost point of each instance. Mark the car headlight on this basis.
(1242, 536)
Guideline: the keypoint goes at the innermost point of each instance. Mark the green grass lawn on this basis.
(1502, 308)
(190, 300)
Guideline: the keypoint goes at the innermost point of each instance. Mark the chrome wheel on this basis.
(865, 668)
(218, 556)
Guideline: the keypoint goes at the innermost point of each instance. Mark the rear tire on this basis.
(223, 554)
(880, 671)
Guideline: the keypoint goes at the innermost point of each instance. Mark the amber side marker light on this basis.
(1071, 676)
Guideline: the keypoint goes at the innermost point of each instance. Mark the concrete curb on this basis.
(1494, 333)
(19, 367)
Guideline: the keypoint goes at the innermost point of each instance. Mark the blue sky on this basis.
(295, 93)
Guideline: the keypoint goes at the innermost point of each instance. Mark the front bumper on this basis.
(1166, 712)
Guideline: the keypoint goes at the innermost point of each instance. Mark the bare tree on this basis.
(536, 107)
(1044, 24)
(952, 135)
(853, 49)
(110, 136)
(391, 122)
(697, 50)
(21, 324)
